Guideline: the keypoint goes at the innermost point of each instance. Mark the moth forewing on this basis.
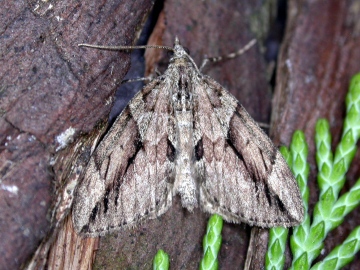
(127, 179)
(245, 177)
(185, 134)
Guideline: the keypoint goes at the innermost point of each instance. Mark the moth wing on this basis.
(128, 178)
(243, 177)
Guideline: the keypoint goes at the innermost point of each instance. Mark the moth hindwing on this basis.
(183, 133)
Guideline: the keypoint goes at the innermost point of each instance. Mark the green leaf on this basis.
(161, 260)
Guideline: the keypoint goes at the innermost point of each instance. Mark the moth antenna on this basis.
(229, 56)
(122, 48)
(148, 78)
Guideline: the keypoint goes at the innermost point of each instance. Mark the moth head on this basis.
(179, 51)
(182, 54)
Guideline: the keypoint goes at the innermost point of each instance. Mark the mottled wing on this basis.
(128, 178)
(243, 177)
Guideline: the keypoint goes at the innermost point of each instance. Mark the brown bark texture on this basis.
(52, 93)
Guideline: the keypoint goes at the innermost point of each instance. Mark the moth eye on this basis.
(170, 54)
(186, 50)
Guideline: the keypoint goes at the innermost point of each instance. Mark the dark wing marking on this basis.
(128, 178)
(243, 177)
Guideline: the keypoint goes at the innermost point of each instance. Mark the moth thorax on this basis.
(183, 101)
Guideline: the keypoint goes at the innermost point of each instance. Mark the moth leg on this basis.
(229, 56)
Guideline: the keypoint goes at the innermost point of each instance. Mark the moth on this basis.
(184, 134)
